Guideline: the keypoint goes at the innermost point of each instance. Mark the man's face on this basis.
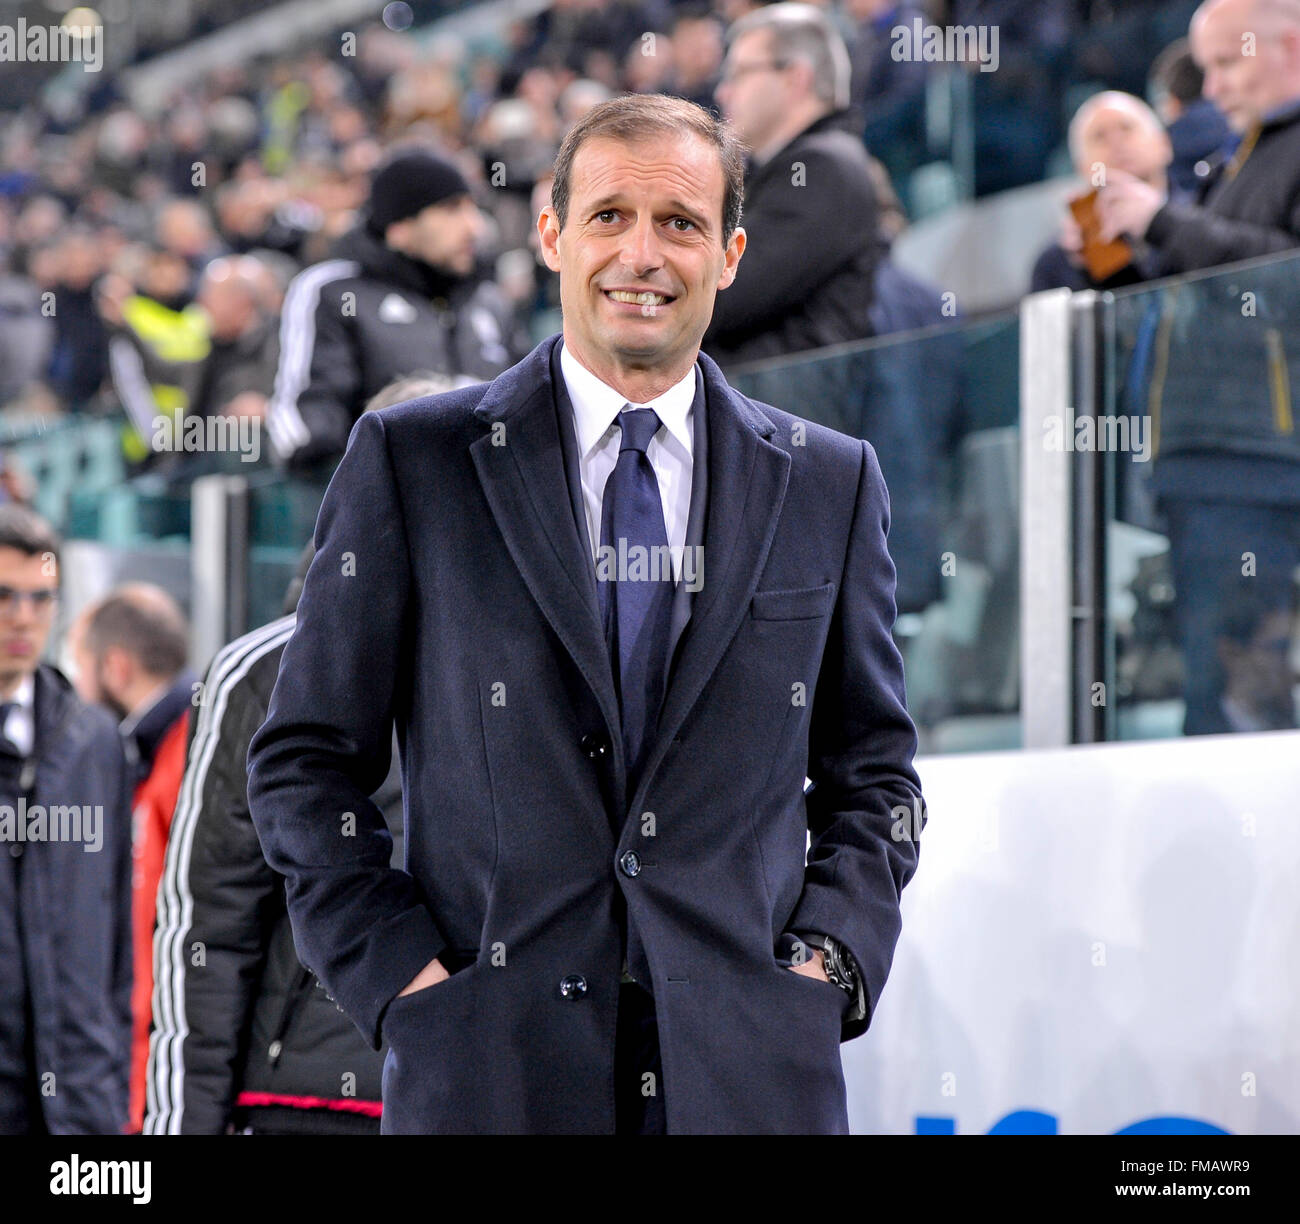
(1123, 138)
(444, 235)
(166, 277)
(24, 624)
(227, 304)
(640, 256)
(754, 94)
(1245, 77)
(697, 49)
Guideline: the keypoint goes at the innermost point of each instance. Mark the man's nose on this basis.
(641, 247)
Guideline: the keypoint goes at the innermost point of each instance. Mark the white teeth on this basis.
(637, 299)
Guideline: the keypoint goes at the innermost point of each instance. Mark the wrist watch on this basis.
(836, 961)
(841, 969)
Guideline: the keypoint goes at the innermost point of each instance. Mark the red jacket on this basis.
(153, 805)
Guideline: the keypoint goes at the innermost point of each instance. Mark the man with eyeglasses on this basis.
(65, 869)
(811, 210)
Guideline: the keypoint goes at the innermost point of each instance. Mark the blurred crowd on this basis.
(117, 222)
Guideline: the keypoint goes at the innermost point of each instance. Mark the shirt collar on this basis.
(153, 717)
(596, 404)
(24, 694)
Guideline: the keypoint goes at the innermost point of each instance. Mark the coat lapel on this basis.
(747, 483)
(521, 468)
(524, 481)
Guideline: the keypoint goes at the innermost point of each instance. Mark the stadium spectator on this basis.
(1015, 106)
(1250, 205)
(252, 215)
(27, 335)
(697, 49)
(69, 266)
(185, 229)
(402, 292)
(1226, 470)
(236, 377)
(808, 189)
(1110, 132)
(130, 650)
(888, 92)
(65, 882)
(158, 339)
(1197, 129)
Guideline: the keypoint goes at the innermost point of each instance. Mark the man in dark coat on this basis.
(616, 641)
(65, 870)
(1217, 374)
(811, 211)
(402, 292)
(1250, 204)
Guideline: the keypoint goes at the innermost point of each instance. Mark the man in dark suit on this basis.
(811, 209)
(612, 919)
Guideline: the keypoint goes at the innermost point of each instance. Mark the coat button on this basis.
(574, 986)
(630, 863)
(595, 746)
(274, 1049)
(15, 850)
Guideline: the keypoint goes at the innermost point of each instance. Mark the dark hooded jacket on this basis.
(368, 315)
(244, 1036)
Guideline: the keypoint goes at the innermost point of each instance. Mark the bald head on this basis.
(234, 293)
(1249, 51)
(1116, 131)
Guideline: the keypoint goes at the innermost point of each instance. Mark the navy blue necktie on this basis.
(636, 584)
(6, 744)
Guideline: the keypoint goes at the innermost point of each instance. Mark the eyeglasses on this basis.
(736, 71)
(42, 601)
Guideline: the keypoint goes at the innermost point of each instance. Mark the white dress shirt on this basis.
(20, 726)
(596, 406)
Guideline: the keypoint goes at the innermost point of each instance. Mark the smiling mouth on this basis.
(645, 298)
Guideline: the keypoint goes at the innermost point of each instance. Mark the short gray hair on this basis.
(803, 32)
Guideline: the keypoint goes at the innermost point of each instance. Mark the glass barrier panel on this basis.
(1203, 465)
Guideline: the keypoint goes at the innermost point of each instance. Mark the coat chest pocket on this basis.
(804, 603)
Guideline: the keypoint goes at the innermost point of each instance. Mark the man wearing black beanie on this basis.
(402, 291)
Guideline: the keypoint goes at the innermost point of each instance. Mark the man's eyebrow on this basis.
(609, 201)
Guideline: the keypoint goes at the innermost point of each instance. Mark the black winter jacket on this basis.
(1221, 368)
(359, 320)
(1249, 205)
(243, 1034)
(805, 280)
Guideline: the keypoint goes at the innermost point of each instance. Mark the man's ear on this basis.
(116, 668)
(398, 235)
(548, 237)
(735, 249)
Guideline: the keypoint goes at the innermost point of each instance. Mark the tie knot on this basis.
(639, 425)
